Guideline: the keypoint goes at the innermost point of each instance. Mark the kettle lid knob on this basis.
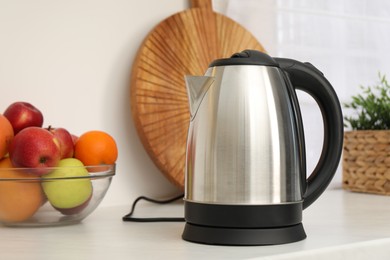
(247, 57)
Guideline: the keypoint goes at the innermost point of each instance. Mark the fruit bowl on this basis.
(52, 197)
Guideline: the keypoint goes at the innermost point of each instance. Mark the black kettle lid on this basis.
(246, 57)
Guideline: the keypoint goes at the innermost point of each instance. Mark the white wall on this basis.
(72, 59)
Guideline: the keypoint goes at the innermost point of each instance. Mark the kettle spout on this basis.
(197, 87)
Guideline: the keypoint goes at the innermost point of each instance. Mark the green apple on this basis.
(69, 196)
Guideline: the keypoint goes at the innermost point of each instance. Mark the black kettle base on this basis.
(243, 236)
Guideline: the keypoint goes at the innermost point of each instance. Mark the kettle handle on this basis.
(306, 77)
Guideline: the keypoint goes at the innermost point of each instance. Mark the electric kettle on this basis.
(245, 173)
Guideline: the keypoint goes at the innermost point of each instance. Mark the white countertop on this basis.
(339, 225)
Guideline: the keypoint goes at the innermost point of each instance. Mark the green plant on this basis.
(372, 107)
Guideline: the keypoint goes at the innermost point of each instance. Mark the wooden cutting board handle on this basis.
(201, 4)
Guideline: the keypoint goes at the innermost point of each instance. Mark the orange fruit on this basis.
(96, 148)
(19, 200)
(6, 135)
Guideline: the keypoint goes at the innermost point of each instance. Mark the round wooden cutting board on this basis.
(183, 44)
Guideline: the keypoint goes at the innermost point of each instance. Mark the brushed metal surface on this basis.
(242, 145)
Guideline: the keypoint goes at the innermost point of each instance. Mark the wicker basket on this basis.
(366, 161)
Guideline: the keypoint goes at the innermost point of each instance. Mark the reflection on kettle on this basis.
(245, 180)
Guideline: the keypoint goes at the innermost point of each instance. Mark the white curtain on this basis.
(348, 40)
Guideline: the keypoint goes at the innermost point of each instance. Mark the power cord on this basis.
(129, 217)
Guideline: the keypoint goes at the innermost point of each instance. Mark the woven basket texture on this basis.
(366, 161)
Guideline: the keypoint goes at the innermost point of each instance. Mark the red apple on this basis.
(65, 139)
(22, 115)
(74, 138)
(35, 147)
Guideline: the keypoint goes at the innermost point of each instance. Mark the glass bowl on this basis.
(29, 200)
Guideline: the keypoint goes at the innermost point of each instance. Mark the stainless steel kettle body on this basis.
(245, 163)
(243, 145)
